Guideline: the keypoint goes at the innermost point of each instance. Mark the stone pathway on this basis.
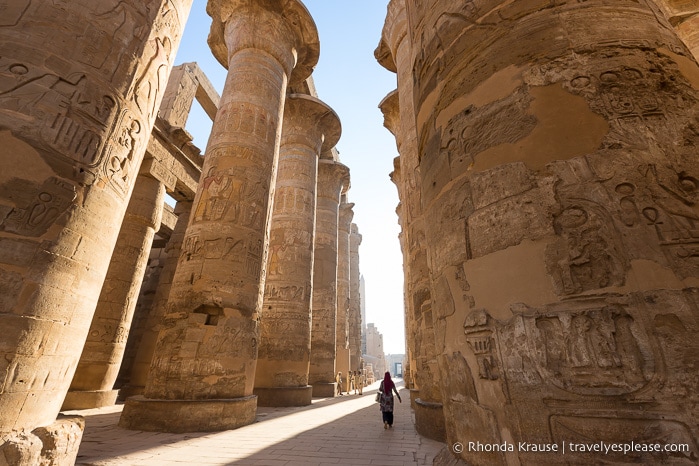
(346, 430)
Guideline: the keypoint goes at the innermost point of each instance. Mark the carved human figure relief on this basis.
(585, 256)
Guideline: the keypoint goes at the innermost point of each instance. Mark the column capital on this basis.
(355, 238)
(346, 216)
(395, 29)
(390, 107)
(311, 118)
(282, 28)
(333, 179)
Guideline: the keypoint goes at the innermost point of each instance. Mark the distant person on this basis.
(361, 382)
(338, 381)
(386, 389)
(351, 382)
(358, 382)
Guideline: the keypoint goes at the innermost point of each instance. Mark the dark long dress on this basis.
(386, 405)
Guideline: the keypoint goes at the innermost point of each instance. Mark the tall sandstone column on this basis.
(395, 52)
(203, 371)
(560, 183)
(355, 312)
(80, 83)
(310, 128)
(146, 347)
(92, 385)
(333, 179)
(342, 356)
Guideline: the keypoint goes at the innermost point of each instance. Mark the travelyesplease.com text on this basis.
(601, 447)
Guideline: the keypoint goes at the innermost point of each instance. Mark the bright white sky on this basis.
(349, 79)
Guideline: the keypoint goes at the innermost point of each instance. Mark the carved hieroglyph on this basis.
(559, 183)
(207, 350)
(333, 179)
(79, 85)
(310, 128)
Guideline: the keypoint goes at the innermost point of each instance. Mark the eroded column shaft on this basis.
(285, 337)
(332, 177)
(146, 347)
(342, 357)
(93, 382)
(75, 117)
(560, 185)
(355, 313)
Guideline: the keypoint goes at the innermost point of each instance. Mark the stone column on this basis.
(560, 190)
(281, 379)
(355, 315)
(80, 85)
(342, 356)
(333, 177)
(684, 17)
(144, 354)
(93, 382)
(396, 53)
(202, 374)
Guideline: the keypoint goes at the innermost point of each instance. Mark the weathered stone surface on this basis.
(557, 178)
(80, 84)
(333, 179)
(188, 415)
(342, 350)
(138, 374)
(93, 382)
(355, 304)
(394, 51)
(281, 379)
(60, 441)
(20, 449)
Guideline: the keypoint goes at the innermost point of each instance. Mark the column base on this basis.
(280, 397)
(56, 444)
(414, 395)
(429, 420)
(89, 399)
(179, 416)
(128, 391)
(324, 390)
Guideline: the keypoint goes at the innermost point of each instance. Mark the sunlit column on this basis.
(92, 385)
(80, 86)
(153, 322)
(333, 178)
(355, 315)
(310, 128)
(342, 356)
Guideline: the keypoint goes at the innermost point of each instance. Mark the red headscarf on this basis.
(387, 383)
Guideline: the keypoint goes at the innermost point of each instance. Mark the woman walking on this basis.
(386, 390)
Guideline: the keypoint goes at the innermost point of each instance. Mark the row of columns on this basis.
(394, 53)
(251, 269)
(237, 327)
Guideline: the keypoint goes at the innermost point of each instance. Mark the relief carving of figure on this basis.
(121, 165)
(153, 78)
(214, 200)
(677, 199)
(590, 350)
(587, 258)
